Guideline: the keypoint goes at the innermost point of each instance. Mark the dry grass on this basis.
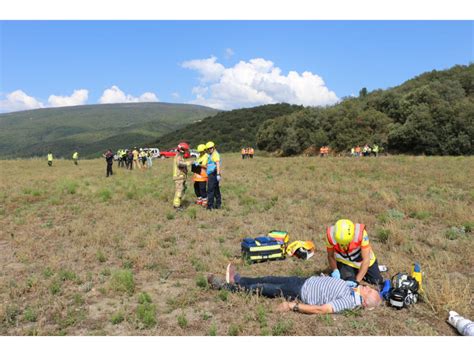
(78, 251)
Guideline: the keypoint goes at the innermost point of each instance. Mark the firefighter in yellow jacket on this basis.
(180, 173)
(350, 254)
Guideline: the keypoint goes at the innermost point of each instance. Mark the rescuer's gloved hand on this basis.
(218, 178)
(351, 283)
(336, 274)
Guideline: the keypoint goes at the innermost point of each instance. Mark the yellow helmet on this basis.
(301, 249)
(201, 148)
(210, 145)
(344, 231)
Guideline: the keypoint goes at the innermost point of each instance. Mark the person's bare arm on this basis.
(306, 308)
(332, 259)
(364, 265)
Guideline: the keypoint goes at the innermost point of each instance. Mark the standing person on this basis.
(135, 158)
(130, 159)
(213, 177)
(350, 255)
(149, 162)
(143, 158)
(375, 150)
(180, 174)
(75, 157)
(243, 153)
(251, 151)
(200, 175)
(109, 157)
(124, 158)
(352, 152)
(50, 159)
(357, 151)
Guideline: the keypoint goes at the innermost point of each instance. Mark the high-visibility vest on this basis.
(251, 151)
(211, 162)
(353, 255)
(50, 157)
(243, 151)
(202, 176)
(75, 155)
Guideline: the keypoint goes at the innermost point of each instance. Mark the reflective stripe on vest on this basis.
(352, 256)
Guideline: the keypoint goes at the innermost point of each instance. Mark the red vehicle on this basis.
(168, 153)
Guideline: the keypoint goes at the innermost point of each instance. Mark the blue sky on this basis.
(44, 62)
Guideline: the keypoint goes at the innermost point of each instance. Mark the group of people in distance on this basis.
(351, 261)
(247, 152)
(324, 151)
(366, 150)
(140, 158)
(207, 170)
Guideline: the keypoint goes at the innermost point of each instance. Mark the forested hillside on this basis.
(230, 130)
(432, 114)
(92, 128)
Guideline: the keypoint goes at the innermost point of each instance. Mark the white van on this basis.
(155, 152)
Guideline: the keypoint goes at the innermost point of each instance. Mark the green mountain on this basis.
(431, 114)
(230, 130)
(92, 128)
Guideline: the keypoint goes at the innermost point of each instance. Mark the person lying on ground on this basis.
(312, 295)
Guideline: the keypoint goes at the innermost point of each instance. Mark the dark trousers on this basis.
(130, 164)
(50, 163)
(372, 276)
(200, 189)
(213, 191)
(288, 287)
(109, 170)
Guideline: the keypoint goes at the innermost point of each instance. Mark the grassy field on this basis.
(84, 255)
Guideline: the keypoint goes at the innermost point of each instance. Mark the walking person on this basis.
(149, 161)
(50, 159)
(130, 159)
(200, 176)
(109, 158)
(214, 200)
(75, 157)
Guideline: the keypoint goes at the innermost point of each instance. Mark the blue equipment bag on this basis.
(262, 248)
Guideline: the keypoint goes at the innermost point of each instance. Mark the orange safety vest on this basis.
(243, 151)
(353, 255)
(251, 151)
(201, 177)
(357, 149)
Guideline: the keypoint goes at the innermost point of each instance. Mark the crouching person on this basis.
(313, 295)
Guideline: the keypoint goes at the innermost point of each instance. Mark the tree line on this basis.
(431, 114)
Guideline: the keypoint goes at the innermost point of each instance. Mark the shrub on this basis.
(223, 295)
(282, 327)
(30, 315)
(144, 298)
(201, 281)
(192, 212)
(105, 195)
(122, 281)
(234, 330)
(101, 257)
(182, 321)
(213, 330)
(383, 235)
(117, 318)
(146, 314)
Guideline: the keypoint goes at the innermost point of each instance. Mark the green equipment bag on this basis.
(262, 248)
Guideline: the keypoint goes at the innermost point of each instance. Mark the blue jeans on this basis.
(213, 191)
(288, 287)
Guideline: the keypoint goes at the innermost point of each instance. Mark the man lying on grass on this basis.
(313, 295)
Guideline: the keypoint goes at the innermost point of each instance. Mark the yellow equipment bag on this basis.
(301, 249)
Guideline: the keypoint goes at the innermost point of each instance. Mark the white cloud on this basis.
(114, 95)
(207, 68)
(256, 82)
(175, 95)
(78, 97)
(229, 53)
(18, 100)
